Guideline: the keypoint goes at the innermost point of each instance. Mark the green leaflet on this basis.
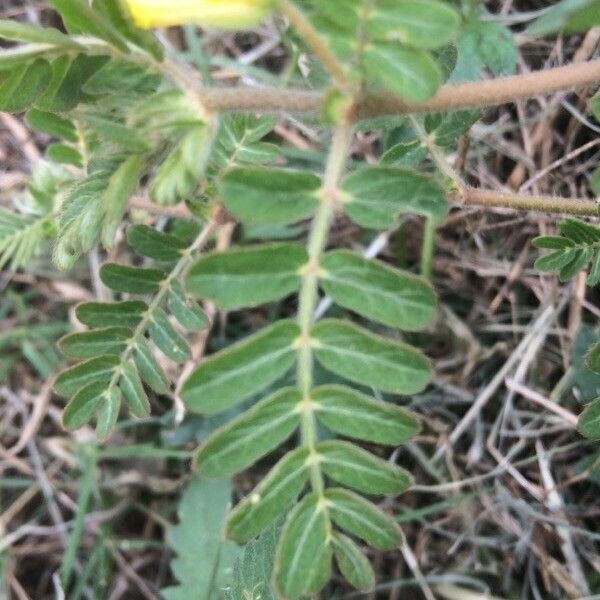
(419, 23)
(363, 519)
(248, 277)
(99, 342)
(355, 468)
(592, 360)
(17, 31)
(163, 334)
(377, 291)
(412, 74)
(589, 421)
(149, 370)
(252, 435)
(22, 85)
(375, 196)
(71, 380)
(108, 414)
(187, 312)
(271, 498)
(133, 391)
(51, 124)
(134, 280)
(361, 356)
(355, 415)
(82, 407)
(107, 314)
(303, 560)
(149, 242)
(234, 374)
(270, 196)
(64, 155)
(571, 15)
(353, 564)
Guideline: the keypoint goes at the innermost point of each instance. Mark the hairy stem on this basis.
(310, 285)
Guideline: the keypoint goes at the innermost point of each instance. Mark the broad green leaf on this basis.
(589, 421)
(411, 73)
(361, 518)
(361, 356)
(303, 561)
(246, 368)
(149, 242)
(71, 380)
(377, 291)
(23, 84)
(133, 391)
(271, 498)
(51, 124)
(106, 314)
(355, 415)
(17, 31)
(134, 280)
(108, 414)
(163, 334)
(376, 196)
(270, 196)
(99, 342)
(252, 435)
(592, 360)
(82, 407)
(418, 23)
(187, 312)
(204, 561)
(149, 370)
(353, 564)
(248, 276)
(355, 468)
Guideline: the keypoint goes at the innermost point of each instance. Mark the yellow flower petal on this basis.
(228, 14)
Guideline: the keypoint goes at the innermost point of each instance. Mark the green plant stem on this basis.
(428, 248)
(310, 285)
(310, 35)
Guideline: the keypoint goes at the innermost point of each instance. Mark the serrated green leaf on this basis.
(134, 280)
(248, 277)
(82, 407)
(234, 374)
(106, 314)
(352, 563)
(163, 334)
(248, 438)
(270, 196)
(99, 342)
(271, 498)
(149, 242)
(133, 391)
(22, 85)
(149, 370)
(361, 356)
(355, 468)
(303, 561)
(71, 380)
(355, 415)
(411, 73)
(376, 196)
(187, 312)
(377, 291)
(108, 414)
(589, 421)
(52, 124)
(361, 518)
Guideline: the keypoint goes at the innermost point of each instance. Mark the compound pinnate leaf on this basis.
(361, 356)
(361, 518)
(271, 498)
(71, 380)
(352, 563)
(149, 242)
(355, 468)
(98, 342)
(234, 374)
(252, 435)
(134, 280)
(133, 391)
(163, 334)
(303, 560)
(83, 406)
(187, 312)
(108, 413)
(149, 369)
(107, 314)
(589, 421)
(248, 276)
(355, 415)
(270, 196)
(376, 196)
(378, 291)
